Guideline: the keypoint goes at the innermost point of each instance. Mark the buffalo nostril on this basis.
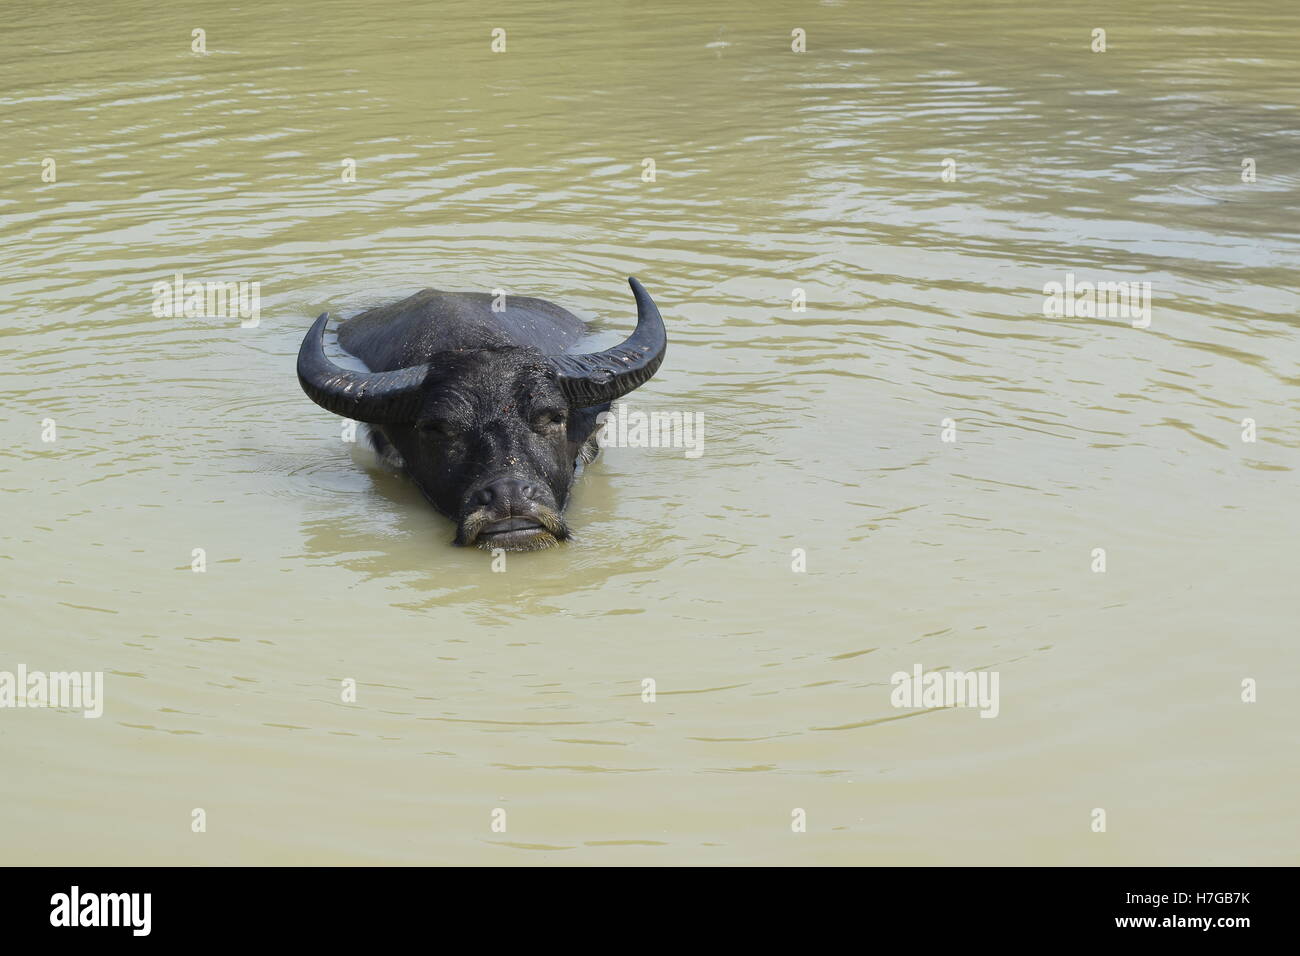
(508, 494)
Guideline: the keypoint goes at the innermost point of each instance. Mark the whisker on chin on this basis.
(552, 522)
(470, 526)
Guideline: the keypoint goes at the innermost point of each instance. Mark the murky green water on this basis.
(522, 691)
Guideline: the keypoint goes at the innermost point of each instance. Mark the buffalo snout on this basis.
(511, 513)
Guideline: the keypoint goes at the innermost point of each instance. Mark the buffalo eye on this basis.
(550, 418)
(436, 428)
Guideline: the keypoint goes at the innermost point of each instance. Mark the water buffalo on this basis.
(487, 410)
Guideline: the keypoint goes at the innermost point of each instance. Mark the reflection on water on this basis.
(780, 178)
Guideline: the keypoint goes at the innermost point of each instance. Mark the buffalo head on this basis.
(492, 436)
